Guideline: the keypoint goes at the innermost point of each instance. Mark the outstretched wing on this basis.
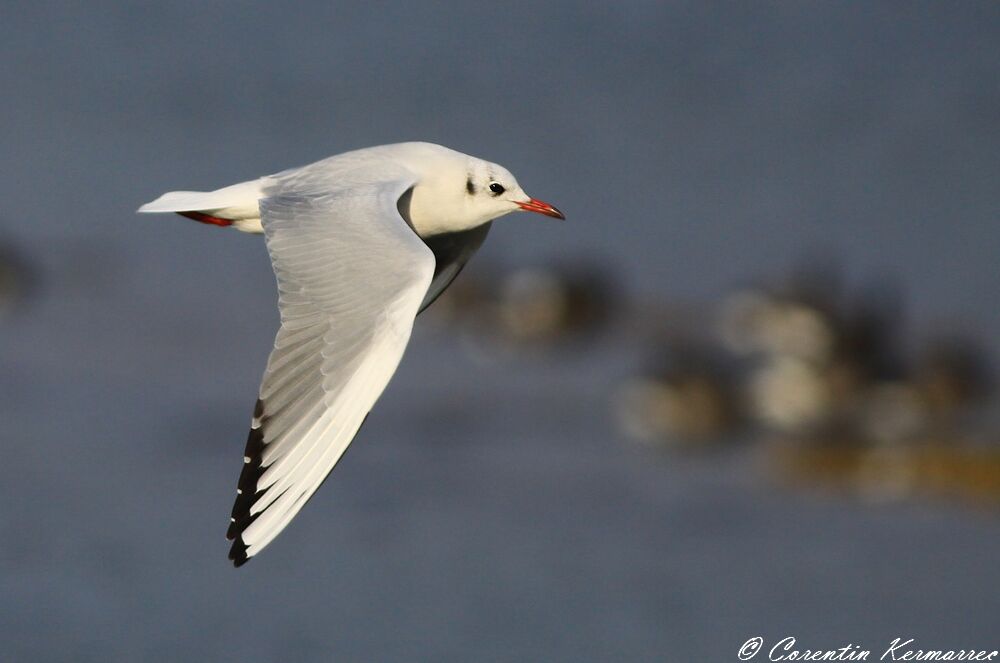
(351, 277)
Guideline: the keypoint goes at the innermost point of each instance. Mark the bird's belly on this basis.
(248, 225)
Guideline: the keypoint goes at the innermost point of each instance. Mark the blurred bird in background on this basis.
(821, 375)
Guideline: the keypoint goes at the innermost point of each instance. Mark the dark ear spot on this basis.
(403, 205)
(470, 188)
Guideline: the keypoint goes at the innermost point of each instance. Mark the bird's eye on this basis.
(496, 188)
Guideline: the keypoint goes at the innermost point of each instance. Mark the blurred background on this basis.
(744, 390)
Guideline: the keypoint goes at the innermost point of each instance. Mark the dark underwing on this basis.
(451, 251)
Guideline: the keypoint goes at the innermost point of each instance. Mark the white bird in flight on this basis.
(360, 243)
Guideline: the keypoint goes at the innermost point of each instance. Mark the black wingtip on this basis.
(250, 473)
(247, 489)
(238, 553)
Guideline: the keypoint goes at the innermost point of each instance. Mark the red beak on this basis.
(535, 205)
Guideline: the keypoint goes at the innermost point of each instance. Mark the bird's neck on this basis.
(432, 211)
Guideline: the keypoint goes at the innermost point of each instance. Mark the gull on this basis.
(360, 243)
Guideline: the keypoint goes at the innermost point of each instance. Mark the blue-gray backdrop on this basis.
(488, 512)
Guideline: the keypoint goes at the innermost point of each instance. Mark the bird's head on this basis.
(457, 192)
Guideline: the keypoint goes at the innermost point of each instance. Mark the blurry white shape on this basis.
(790, 395)
(752, 322)
(801, 331)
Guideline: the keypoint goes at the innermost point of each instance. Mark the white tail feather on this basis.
(238, 203)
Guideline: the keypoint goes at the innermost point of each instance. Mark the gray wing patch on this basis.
(451, 252)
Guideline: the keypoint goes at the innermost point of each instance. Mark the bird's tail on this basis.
(235, 205)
